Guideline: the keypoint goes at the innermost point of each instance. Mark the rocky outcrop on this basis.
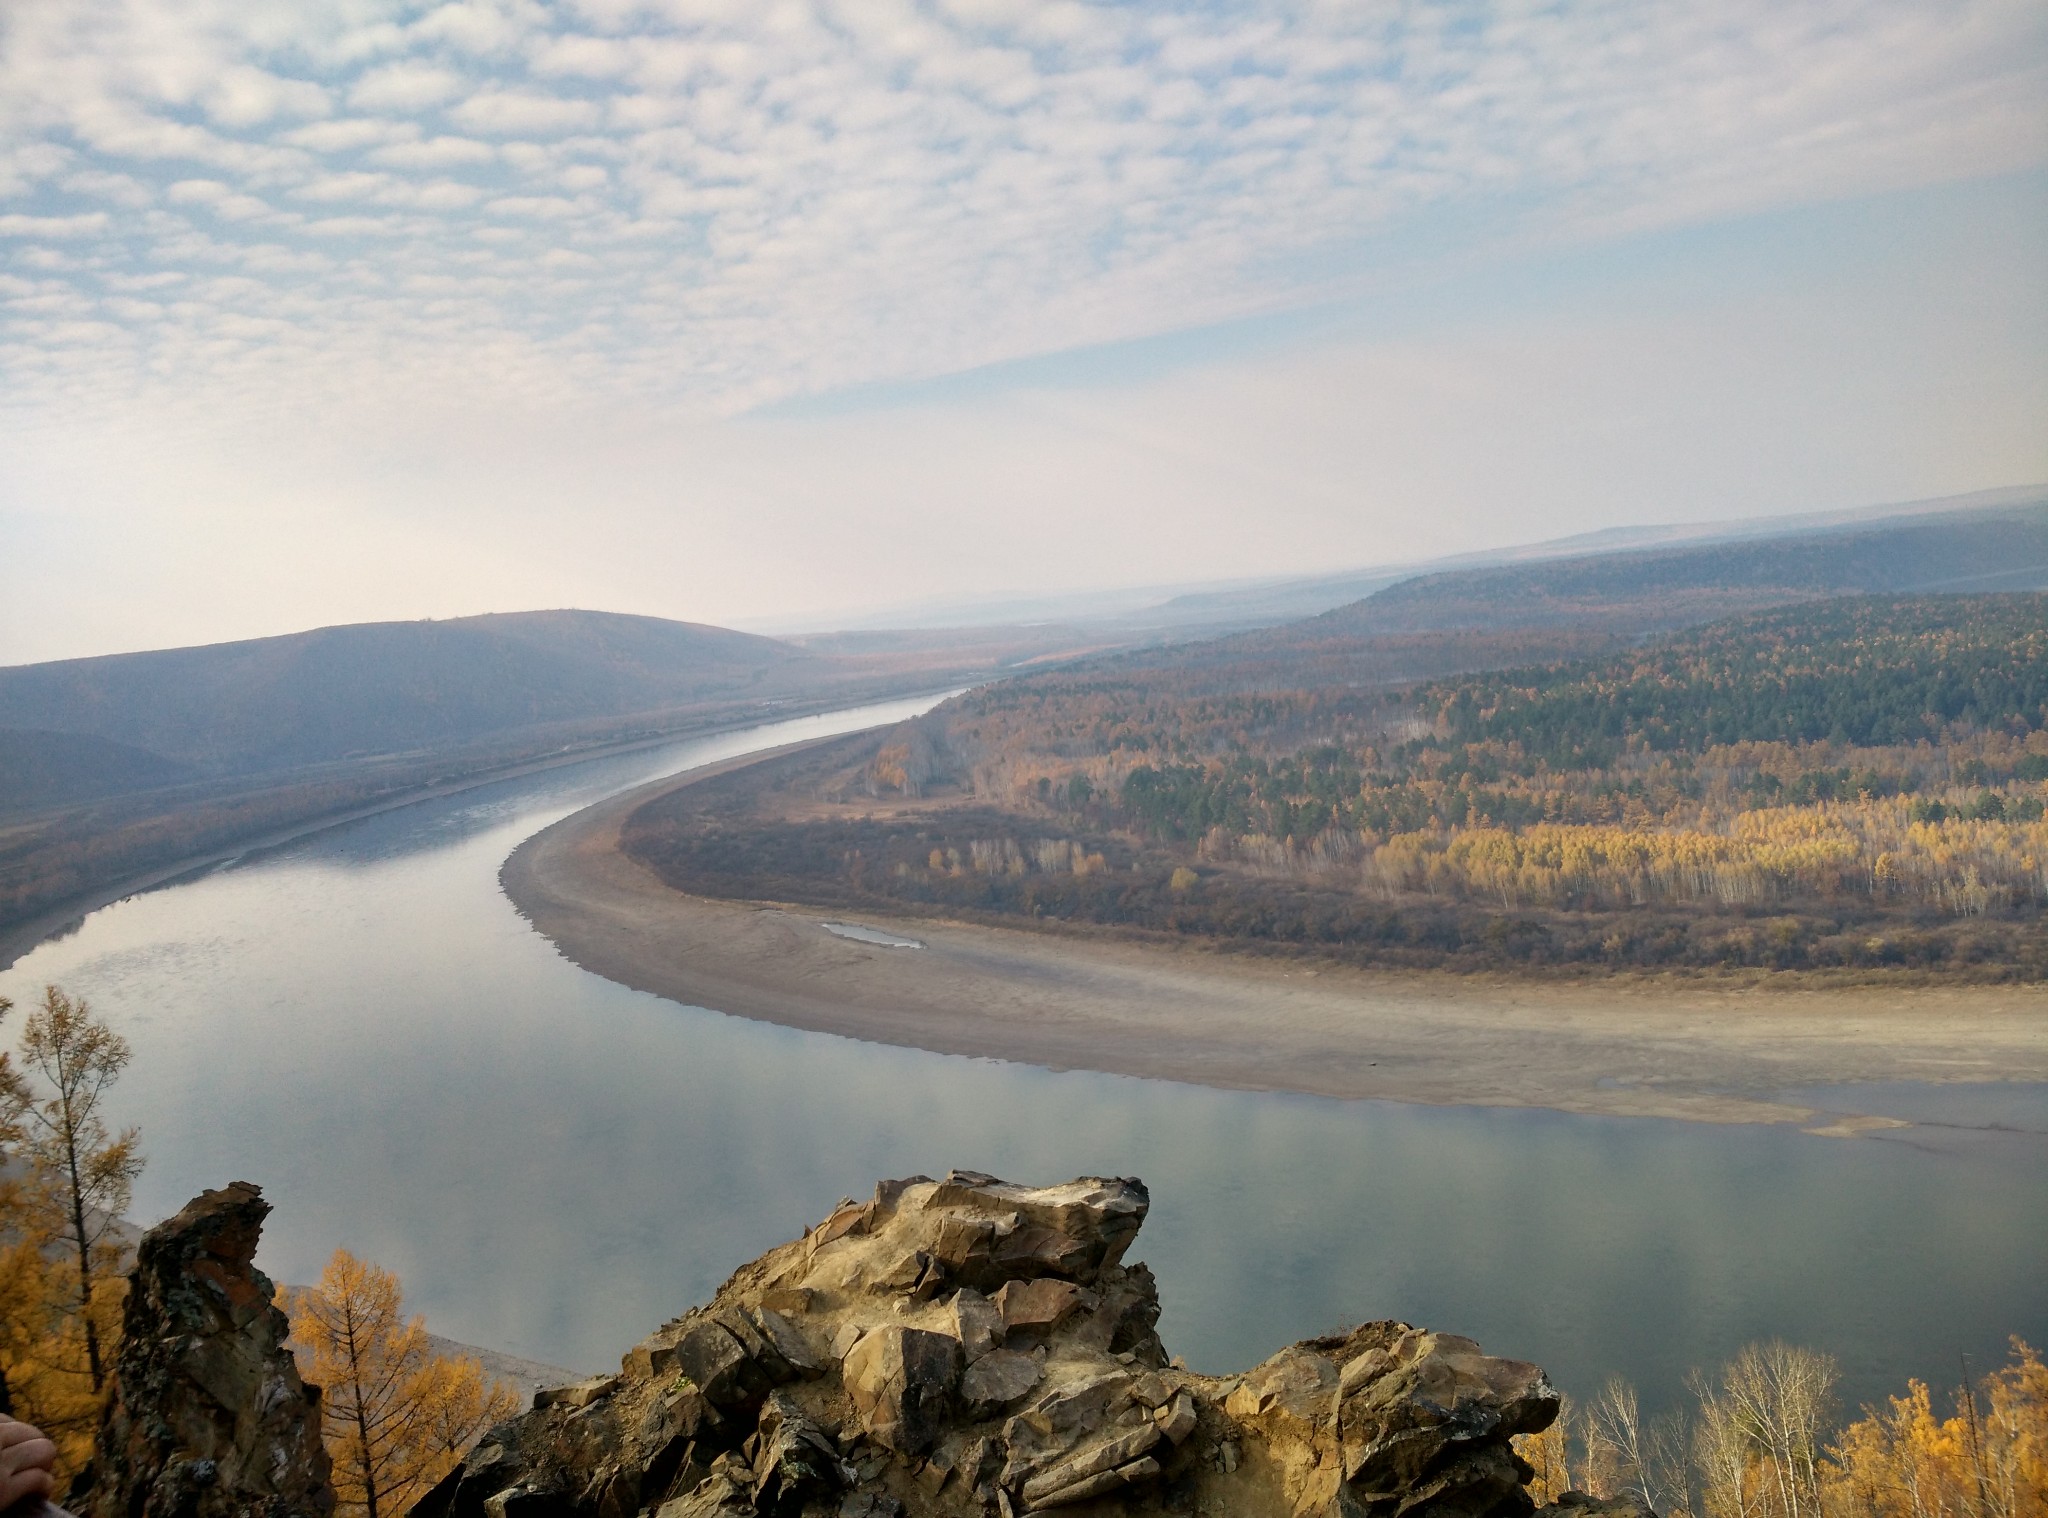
(206, 1416)
(970, 1347)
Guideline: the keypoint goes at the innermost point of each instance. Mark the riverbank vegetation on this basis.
(1852, 786)
(1761, 1440)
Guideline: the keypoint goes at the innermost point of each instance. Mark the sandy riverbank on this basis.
(1666, 1049)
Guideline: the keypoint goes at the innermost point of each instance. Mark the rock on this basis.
(903, 1383)
(576, 1393)
(652, 1356)
(1035, 1308)
(726, 1492)
(205, 1415)
(998, 1379)
(790, 1343)
(1585, 1505)
(730, 1359)
(1407, 1404)
(1177, 1418)
(995, 1355)
(976, 1322)
(794, 1460)
(1091, 1460)
(869, 1505)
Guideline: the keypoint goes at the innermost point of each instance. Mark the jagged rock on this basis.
(1585, 1505)
(576, 1393)
(903, 1383)
(1176, 1417)
(1033, 1309)
(998, 1379)
(794, 1459)
(967, 1347)
(206, 1416)
(976, 1323)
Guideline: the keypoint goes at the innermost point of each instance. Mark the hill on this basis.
(388, 687)
(43, 769)
(1650, 590)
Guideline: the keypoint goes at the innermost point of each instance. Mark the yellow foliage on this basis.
(396, 1418)
(1988, 1460)
(1828, 849)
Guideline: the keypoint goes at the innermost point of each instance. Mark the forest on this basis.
(1852, 786)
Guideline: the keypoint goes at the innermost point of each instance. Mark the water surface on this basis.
(554, 1164)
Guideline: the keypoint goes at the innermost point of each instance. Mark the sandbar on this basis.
(1670, 1048)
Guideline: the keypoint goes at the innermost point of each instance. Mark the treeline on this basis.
(1857, 672)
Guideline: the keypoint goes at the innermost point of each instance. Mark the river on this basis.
(553, 1164)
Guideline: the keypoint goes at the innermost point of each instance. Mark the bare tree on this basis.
(1759, 1441)
(1620, 1455)
(89, 1172)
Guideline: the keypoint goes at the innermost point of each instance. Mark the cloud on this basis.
(434, 153)
(344, 136)
(402, 87)
(219, 199)
(247, 97)
(89, 224)
(523, 112)
(772, 201)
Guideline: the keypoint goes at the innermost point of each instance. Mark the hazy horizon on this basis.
(786, 316)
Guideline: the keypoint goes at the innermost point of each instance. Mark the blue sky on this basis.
(777, 312)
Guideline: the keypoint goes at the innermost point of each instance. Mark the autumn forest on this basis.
(1848, 787)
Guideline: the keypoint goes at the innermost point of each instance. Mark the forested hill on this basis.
(1866, 672)
(1654, 590)
(272, 703)
(1856, 785)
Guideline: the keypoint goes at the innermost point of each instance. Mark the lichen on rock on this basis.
(206, 1416)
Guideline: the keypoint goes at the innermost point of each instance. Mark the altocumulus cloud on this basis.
(714, 205)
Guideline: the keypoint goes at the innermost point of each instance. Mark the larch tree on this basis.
(20, 1259)
(1989, 1460)
(1549, 1454)
(42, 1376)
(395, 1416)
(81, 1170)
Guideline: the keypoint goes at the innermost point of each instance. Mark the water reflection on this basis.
(554, 1164)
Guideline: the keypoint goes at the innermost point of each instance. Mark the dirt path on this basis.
(1673, 1049)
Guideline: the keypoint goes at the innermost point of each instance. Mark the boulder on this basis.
(903, 1383)
(205, 1415)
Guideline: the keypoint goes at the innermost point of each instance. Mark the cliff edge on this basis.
(967, 1347)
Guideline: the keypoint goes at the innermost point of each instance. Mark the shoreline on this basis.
(18, 939)
(1189, 1014)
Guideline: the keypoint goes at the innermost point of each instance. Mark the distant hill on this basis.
(382, 687)
(1656, 589)
(39, 769)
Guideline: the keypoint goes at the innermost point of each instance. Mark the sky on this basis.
(788, 314)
